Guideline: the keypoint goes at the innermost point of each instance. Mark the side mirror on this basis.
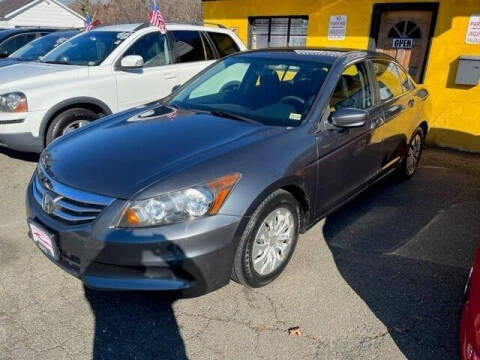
(132, 62)
(349, 118)
(3, 52)
(175, 88)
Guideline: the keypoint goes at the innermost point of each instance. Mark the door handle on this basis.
(411, 103)
(378, 121)
(169, 76)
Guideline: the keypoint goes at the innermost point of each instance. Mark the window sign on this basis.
(401, 43)
(473, 32)
(337, 27)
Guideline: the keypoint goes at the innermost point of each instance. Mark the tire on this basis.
(415, 146)
(245, 270)
(63, 121)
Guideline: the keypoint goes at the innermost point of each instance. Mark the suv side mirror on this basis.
(349, 118)
(132, 62)
(3, 52)
(175, 88)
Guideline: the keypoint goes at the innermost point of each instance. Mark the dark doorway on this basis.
(404, 31)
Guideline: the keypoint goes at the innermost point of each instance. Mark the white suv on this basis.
(101, 72)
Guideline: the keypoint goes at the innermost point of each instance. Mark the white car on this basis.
(101, 72)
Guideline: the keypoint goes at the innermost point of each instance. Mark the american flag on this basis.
(88, 23)
(157, 20)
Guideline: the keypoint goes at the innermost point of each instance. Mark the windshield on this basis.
(87, 49)
(274, 92)
(36, 49)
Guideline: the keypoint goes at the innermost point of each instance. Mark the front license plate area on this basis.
(44, 239)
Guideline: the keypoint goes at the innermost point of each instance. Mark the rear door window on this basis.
(224, 43)
(406, 82)
(388, 79)
(188, 46)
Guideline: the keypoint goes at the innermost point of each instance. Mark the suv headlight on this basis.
(13, 102)
(178, 206)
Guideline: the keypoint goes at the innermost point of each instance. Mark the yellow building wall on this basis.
(455, 110)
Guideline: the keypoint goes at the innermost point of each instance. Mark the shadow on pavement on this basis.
(405, 248)
(31, 157)
(142, 324)
(135, 325)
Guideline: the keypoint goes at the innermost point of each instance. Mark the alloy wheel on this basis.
(273, 241)
(414, 151)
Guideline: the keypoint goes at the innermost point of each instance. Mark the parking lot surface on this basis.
(382, 277)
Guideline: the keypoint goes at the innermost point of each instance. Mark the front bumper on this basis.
(22, 131)
(193, 257)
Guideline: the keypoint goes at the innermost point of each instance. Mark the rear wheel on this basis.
(68, 121)
(410, 162)
(268, 241)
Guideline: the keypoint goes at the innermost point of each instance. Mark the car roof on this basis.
(324, 55)
(171, 26)
(64, 33)
(15, 31)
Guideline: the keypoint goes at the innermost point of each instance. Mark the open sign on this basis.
(402, 43)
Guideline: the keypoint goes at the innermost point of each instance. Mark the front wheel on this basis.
(268, 241)
(68, 121)
(412, 158)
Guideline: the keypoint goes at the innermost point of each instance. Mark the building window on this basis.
(278, 31)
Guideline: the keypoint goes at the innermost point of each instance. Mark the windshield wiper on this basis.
(57, 62)
(229, 115)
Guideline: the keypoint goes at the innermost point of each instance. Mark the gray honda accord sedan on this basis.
(217, 180)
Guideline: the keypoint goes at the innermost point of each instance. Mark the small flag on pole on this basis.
(88, 23)
(157, 20)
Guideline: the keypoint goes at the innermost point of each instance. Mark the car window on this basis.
(353, 89)
(276, 92)
(41, 46)
(224, 43)
(388, 80)
(90, 48)
(153, 48)
(16, 42)
(404, 79)
(188, 46)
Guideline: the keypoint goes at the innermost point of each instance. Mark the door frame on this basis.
(378, 9)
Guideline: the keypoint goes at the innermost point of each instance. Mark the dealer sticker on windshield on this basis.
(295, 116)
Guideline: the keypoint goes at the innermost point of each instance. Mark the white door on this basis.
(152, 82)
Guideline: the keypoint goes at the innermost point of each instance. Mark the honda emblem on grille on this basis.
(48, 202)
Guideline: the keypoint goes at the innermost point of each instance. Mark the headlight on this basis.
(177, 206)
(13, 102)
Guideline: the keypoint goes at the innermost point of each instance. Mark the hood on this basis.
(22, 75)
(123, 154)
(8, 62)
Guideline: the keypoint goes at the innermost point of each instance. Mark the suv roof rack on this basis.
(198, 23)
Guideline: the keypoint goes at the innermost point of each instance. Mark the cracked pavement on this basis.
(380, 278)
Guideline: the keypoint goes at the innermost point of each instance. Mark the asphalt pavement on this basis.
(381, 278)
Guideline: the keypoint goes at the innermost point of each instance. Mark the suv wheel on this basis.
(69, 121)
(268, 241)
(412, 158)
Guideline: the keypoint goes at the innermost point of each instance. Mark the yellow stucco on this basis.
(455, 110)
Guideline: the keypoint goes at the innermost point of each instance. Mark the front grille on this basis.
(68, 205)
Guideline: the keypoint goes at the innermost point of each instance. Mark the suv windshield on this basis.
(274, 92)
(38, 48)
(88, 49)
